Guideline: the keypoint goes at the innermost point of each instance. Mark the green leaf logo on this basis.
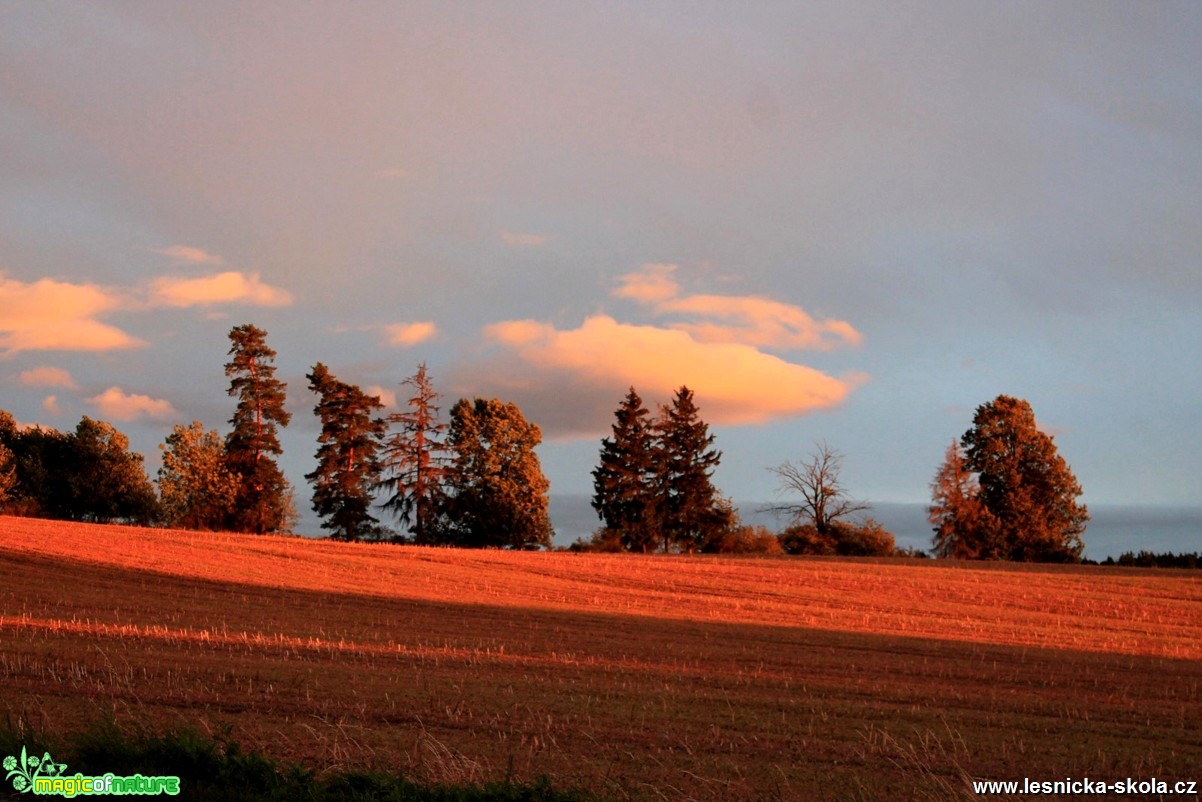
(23, 771)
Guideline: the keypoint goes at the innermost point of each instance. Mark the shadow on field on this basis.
(633, 705)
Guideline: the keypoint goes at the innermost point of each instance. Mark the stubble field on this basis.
(644, 677)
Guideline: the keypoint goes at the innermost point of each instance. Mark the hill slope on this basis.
(697, 677)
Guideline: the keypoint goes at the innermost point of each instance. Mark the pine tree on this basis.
(623, 483)
(689, 506)
(964, 528)
(348, 467)
(1024, 483)
(496, 490)
(414, 459)
(196, 488)
(264, 496)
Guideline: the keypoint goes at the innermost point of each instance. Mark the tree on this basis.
(964, 528)
(824, 501)
(624, 481)
(264, 501)
(347, 456)
(196, 488)
(8, 460)
(496, 490)
(108, 482)
(85, 475)
(689, 509)
(414, 459)
(1024, 483)
(8, 474)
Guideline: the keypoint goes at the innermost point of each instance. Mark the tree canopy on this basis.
(689, 509)
(264, 500)
(624, 482)
(414, 459)
(348, 467)
(197, 490)
(1023, 505)
(496, 490)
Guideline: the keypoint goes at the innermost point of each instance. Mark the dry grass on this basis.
(670, 677)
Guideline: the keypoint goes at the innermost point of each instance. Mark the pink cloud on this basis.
(735, 382)
(49, 315)
(117, 404)
(47, 377)
(406, 335)
(50, 405)
(651, 284)
(228, 287)
(387, 397)
(746, 319)
(192, 256)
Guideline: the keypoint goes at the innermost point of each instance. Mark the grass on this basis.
(636, 677)
(218, 768)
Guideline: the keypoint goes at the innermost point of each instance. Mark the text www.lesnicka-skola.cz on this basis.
(1086, 786)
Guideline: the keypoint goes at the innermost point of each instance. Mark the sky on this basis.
(849, 223)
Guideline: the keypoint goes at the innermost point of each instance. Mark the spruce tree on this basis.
(689, 509)
(624, 493)
(347, 464)
(414, 459)
(264, 499)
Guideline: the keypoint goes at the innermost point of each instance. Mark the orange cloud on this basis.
(407, 335)
(228, 287)
(651, 284)
(734, 382)
(116, 403)
(49, 315)
(192, 256)
(50, 405)
(387, 397)
(47, 377)
(749, 319)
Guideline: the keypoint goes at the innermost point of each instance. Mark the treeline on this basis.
(1002, 493)
(1148, 559)
(475, 481)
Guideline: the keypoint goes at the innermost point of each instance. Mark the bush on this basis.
(603, 541)
(743, 540)
(866, 539)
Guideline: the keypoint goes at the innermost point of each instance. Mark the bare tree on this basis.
(823, 499)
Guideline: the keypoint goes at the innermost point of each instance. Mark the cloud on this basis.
(746, 319)
(406, 335)
(651, 284)
(47, 377)
(387, 397)
(523, 240)
(117, 404)
(49, 315)
(50, 405)
(228, 287)
(192, 256)
(734, 383)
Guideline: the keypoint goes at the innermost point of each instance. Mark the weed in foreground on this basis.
(217, 768)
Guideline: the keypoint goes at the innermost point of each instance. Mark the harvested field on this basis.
(651, 677)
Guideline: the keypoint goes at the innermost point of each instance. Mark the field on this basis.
(644, 677)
